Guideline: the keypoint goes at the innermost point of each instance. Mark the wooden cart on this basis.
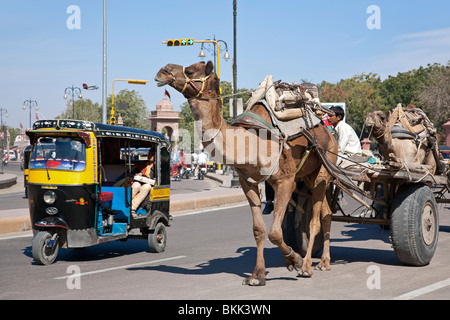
(402, 197)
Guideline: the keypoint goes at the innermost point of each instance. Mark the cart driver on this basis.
(348, 141)
(139, 190)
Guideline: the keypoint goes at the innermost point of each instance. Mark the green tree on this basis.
(84, 109)
(131, 107)
(361, 95)
(404, 87)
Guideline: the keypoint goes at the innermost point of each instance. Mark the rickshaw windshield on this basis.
(58, 153)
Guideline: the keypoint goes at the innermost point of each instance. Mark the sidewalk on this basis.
(16, 220)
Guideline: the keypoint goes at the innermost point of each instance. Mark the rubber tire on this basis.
(41, 254)
(413, 239)
(297, 237)
(160, 232)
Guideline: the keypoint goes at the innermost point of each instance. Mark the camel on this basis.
(200, 85)
(399, 143)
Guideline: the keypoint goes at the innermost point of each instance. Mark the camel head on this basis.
(376, 120)
(197, 80)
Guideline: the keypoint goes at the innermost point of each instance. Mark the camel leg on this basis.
(318, 190)
(324, 263)
(283, 192)
(258, 277)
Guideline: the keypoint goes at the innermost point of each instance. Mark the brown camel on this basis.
(200, 86)
(404, 149)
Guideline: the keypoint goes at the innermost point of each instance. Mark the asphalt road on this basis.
(208, 255)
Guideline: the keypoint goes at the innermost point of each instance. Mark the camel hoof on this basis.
(305, 274)
(293, 262)
(253, 282)
(321, 268)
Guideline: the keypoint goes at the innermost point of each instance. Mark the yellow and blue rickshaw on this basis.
(79, 186)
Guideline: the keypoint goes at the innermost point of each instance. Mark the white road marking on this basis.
(120, 267)
(424, 290)
(210, 210)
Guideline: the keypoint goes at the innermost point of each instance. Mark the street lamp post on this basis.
(112, 120)
(2, 133)
(216, 55)
(30, 104)
(72, 91)
(190, 42)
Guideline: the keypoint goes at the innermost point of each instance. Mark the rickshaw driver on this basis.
(139, 190)
(64, 148)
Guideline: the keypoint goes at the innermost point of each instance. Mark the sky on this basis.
(46, 46)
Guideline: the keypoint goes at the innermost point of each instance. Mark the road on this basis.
(208, 255)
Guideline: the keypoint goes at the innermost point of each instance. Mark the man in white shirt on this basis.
(202, 158)
(348, 141)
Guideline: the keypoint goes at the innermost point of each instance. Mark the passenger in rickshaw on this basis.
(140, 189)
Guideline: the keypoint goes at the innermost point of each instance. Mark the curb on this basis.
(15, 224)
(8, 182)
(23, 223)
(208, 202)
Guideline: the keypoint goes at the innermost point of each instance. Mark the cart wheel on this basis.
(157, 238)
(43, 253)
(296, 233)
(414, 224)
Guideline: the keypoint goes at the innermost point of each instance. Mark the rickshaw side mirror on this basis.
(86, 138)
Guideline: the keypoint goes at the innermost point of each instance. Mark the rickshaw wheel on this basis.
(414, 224)
(42, 253)
(157, 238)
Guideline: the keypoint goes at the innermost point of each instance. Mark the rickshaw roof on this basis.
(102, 130)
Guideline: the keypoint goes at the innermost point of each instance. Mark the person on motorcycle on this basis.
(201, 160)
(5, 159)
(140, 190)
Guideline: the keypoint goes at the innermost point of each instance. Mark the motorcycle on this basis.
(201, 171)
(188, 172)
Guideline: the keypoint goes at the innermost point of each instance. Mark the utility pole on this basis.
(104, 65)
(235, 180)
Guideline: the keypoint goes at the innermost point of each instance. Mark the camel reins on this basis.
(191, 82)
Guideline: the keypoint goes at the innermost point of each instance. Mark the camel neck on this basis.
(207, 113)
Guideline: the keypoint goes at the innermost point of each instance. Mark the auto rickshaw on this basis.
(79, 186)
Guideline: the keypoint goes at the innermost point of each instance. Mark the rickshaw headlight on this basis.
(49, 197)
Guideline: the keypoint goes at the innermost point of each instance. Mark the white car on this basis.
(12, 154)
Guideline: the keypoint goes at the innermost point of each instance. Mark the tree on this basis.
(434, 95)
(404, 87)
(84, 109)
(131, 107)
(361, 95)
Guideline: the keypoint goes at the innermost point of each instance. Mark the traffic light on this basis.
(180, 42)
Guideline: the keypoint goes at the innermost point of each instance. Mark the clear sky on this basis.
(293, 40)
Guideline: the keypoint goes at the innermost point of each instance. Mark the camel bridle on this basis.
(191, 82)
